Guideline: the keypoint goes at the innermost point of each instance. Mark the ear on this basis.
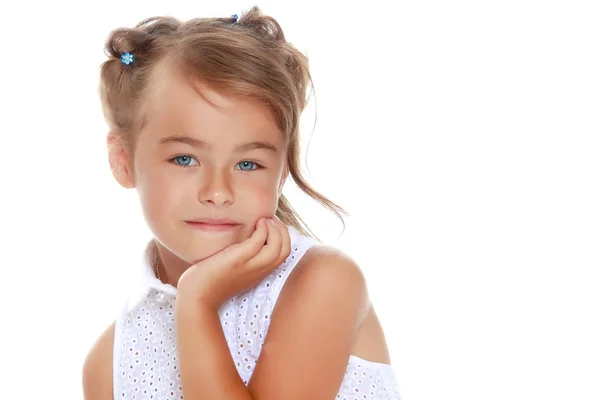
(120, 160)
(284, 175)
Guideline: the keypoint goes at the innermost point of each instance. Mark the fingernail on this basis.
(271, 221)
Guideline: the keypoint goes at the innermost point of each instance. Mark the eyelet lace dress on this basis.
(145, 362)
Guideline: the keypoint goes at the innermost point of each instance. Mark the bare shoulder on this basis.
(338, 272)
(313, 327)
(330, 258)
(326, 268)
(97, 368)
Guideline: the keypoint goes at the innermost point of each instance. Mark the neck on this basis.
(170, 267)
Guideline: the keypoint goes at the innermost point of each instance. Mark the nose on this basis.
(216, 190)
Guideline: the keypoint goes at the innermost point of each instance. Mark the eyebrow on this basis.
(201, 144)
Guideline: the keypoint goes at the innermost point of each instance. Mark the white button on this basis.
(161, 298)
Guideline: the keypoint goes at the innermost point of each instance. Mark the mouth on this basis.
(210, 224)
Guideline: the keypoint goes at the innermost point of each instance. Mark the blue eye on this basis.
(247, 165)
(183, 161)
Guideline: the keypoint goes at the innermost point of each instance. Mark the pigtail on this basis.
(132, 53)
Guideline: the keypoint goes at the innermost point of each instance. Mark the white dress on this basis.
(145, 362)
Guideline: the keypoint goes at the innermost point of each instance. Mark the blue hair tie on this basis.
(127, 58)
(235, 18)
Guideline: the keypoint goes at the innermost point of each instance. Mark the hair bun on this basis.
(139, 39)
(125, 40)
(265, 26)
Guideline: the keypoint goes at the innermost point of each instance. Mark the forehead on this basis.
(179, 105)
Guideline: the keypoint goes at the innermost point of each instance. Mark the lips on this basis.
(212, 221)
(212, 224)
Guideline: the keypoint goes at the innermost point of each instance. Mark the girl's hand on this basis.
(238, 267)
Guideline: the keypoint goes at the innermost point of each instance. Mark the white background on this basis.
(462, 136)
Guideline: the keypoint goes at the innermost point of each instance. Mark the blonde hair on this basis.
(248, 57)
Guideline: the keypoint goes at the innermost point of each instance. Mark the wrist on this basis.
(189, 307)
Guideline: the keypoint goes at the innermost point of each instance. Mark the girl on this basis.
(238, 301)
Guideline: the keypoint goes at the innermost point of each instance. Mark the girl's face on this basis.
(223, 167)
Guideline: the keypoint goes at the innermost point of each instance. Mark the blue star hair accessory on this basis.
(127, 58)
(235, 18)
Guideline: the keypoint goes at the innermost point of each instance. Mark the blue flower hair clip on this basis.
(127, 58)
(235, 18)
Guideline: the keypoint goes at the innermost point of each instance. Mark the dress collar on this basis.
(148, 281)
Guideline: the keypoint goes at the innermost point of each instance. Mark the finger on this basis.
(277, 238)
(286, 244)
(257, 240)
(249, 248)
(285, 240)
(271, 251)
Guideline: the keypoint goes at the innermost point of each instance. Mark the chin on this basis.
(196, 257)
(207, 246)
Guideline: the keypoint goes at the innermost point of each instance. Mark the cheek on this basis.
(159, 196)
(262, 195)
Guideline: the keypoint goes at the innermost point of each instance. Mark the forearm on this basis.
(206, 367)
